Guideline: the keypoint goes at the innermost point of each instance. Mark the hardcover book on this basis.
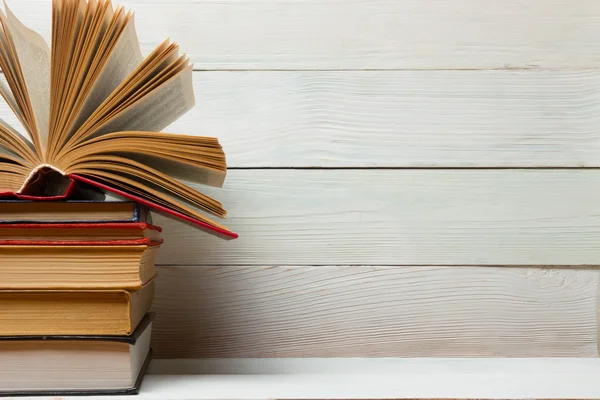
(77, 232)
(73, 312)
(55, 264)
(56, 212)
(92, 109)
(75, 365)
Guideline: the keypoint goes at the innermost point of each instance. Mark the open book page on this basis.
(146, 175)
(9, 97)
(165, 72)
(34, 59)
(11, 139)
(191, 158)
(69, 24)
(12, 176)
(175, 167)
(155, 111)
(10, 180)
(125, 57)
(85, 37)
(14, 168)
(142, 80)
(101, 33)
(149, 193)
(17, 98)
(8, 155)
(181, 170)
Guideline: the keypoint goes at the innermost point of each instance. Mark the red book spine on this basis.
(124, 242)
(109, 225)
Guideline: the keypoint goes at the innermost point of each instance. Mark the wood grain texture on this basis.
(400, 118)
(367, 311)
(382, 34)
(399, 217)
(397, 118)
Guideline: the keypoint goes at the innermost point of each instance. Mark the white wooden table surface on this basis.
(388, 378)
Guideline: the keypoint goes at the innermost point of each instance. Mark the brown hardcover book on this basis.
(118, 264)
(73, 312)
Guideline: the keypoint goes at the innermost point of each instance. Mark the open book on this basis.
(92, 109)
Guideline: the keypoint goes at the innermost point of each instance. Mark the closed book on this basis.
(119, 264)
(19, 211)
(80, 231)
(73, 312)
(74, 365)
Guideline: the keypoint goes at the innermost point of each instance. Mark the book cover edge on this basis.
(130, 339)
(135, 389)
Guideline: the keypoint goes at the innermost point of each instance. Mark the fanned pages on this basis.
(93, 110)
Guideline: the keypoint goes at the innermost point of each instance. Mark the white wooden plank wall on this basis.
(406, 311)
(400, 217)
(397, 118)
(364, 34)
(491, 250)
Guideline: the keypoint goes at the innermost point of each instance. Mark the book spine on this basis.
(82, 225)
(123, 242)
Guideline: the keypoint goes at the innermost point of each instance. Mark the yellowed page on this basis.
(190, 158)
(125, 57)
(181, 170)
(115, 102)
(34, 58)
(155, 195)
(154, 65)
(17, 134)
(13, 89)
(147, 175)
(106, 23)
(9, 97)
(88, 40)
(63, 312)
(11, 139)
(157, 110)
(143, 87)
(71, 20)
(7, 154)
(9, 181)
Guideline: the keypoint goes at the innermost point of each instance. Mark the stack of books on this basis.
(76, 286)
(76, 278)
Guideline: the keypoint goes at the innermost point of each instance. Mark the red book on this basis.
(78, 232)
(73, 187)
